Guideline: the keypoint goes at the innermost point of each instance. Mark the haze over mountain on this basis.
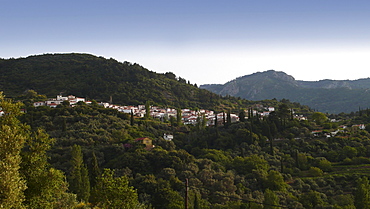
(332, 96)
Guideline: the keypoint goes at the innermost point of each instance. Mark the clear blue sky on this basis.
(201, 41)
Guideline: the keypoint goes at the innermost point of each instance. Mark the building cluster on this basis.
(320, 133)
(54, 102)
(189, 117)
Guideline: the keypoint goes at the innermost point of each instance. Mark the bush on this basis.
(315, 172)
(360, 160)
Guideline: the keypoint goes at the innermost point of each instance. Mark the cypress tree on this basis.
(64, 125)
(178, 116)
(242, 116)
(85, 184)
(147, 109)
(132, 118)
(95, 170)
(75, 175)
(296, 158)
(291, 114)
(79, 175)
(215, 119)
(228, 118)
(196, 202)
(203, 122)
(281, 165)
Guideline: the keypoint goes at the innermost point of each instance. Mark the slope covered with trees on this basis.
(100, 79)
(257, 162)
(88, 156)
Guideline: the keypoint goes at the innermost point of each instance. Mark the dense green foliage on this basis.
(87, 156)
(259, 162)
(26, 179)
(102, 79)
(12, 139)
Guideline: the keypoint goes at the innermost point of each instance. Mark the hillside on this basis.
(235, 165)
(97, 151)
(100, 79)
(325, 95)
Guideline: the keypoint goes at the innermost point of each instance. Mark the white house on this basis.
(360, 126)
(59, 100)
(168, 137)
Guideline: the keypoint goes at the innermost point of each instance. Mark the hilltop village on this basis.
(189, 117)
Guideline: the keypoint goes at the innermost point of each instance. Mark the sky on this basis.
(203, 41)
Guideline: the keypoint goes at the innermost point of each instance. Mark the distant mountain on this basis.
(332, 96)
(101, 79)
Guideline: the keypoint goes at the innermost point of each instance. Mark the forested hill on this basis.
(332, 96)
(99, 78)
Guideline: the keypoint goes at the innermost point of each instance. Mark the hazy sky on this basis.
(202, 41)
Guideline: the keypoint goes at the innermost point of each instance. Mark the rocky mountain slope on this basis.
(332, 96)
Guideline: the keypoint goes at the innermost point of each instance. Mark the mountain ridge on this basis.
(277, 84)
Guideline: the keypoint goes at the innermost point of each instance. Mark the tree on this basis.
(147, 109)
(178, 116)
(95, 170)
(196, 201)
(167, 198)
(46, 187)
(283, 112)
(312, 199)
(315, 172)
(12, 138)
(114, 192)
(362, 194)
(242, 116)
(216, 122)
(271, 200)
(244, 165)
(319, 118)
(325, 165)
(79, 178)
(275, 181)
(85, 184)
(132, 119)
(228, 120)
(203, 122)
(348, 152)
(66, 103)
(30, 94)
(267, 133)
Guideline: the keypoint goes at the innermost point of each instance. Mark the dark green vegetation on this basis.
(102, 79)
(258, 163)
(87, 156)
(327, 96)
